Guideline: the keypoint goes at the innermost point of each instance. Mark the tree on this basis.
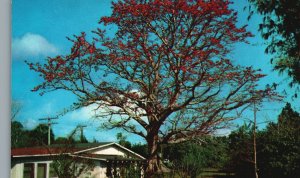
(140, 149)
(77, 135)
(164, 75)
(16, 126)
(122, 140)
(278, 148)
(64, 140)
(191, 157)
(192, 162)
(281, 28)
(15, 109)
(17, 135)
(67, 165)
(241, 152)
(280, 144)
(39, 135)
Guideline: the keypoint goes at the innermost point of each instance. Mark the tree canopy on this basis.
(281, 28)
(278, 148)
(279, 154)
(164, 75)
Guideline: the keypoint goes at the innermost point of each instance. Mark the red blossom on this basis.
(92, 49)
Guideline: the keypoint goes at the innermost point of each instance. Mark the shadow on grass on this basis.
(224, 176)
(217, 176)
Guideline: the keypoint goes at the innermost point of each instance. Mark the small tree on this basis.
(65, 164)
(17, 134)
(186, 159)
(17, 129)
(192, 157)
(69, 166)
(15, 109)
(164, 75)
(241, 152)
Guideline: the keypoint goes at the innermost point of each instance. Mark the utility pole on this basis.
(81, 131)
(254, 141)
(49, 119)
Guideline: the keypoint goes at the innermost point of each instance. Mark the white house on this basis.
(109, 159)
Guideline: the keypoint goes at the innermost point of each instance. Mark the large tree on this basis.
(163, 75)
(281, 28)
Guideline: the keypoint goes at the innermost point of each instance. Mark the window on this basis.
(28, 170)
(41, 170)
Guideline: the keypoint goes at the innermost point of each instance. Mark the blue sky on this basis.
(40, 28)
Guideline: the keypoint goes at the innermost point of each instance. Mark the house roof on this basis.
(108, 144)
(54, 149)
(57, 149)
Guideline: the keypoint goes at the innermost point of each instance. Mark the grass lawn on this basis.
(207, 173)
(215, 173)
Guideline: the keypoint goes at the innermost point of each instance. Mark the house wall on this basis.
(16, 170)
(17, 167)
(110, 151)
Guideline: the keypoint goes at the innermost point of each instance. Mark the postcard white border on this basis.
(5, 95)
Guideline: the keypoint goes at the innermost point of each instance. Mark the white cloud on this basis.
(223, 132)
(32, 45)
(30, 123)
(83, 114)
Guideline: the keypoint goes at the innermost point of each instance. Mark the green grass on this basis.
(207, 173)
(215, 173)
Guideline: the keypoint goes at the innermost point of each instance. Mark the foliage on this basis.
(241, 152)
(191, 158)
(75, 136)
(78, 135)
(278, 148)
(28, 138)
(39, 135)
(17, 129)
(66, 165)
(140, 148)
(15, 109)
(128, 171)
(64, 140)
(281, 28)
(132, 172)
(122, 140)
(279, 154)
(187, 159)
(70, 166)
(218, 148)
(164, 75)
(18, 136)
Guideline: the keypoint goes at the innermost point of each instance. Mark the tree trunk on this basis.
(153, 165)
